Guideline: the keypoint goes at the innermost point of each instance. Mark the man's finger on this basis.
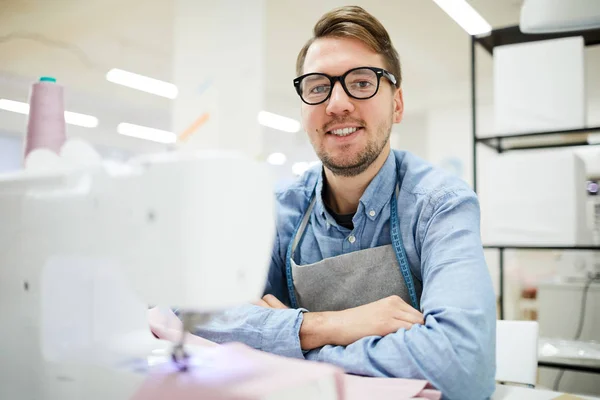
(412, 318)
(399, 324)
(273, 301)
(407, 308)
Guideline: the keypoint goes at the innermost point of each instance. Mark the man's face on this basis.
(349, 154)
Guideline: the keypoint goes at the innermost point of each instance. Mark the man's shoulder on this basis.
(297, 193)
(292, 199)
(420, 178)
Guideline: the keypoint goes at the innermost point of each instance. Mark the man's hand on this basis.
(270, 301)
(342, 328)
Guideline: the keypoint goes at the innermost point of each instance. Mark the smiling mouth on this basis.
(344, 131)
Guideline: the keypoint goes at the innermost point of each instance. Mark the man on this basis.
(378, 265)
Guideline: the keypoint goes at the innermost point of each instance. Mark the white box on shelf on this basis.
(536, 198)
(539, 86)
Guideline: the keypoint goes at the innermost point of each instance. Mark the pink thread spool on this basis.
(46, 124)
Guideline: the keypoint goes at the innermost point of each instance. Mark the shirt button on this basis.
(372, 213)
(351, 239)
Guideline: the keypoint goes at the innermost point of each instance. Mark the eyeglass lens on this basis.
(360, 83)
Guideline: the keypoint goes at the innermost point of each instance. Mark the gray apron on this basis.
(352, 279)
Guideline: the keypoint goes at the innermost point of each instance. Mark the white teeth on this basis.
(344, 131)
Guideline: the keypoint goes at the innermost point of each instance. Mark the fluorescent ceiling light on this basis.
(87, 121)
(143, 132)
(465, 15)
(277, 159)
(278, 122)
(143, 83)
(14, 106)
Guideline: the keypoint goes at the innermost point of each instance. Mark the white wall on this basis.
(411, 134)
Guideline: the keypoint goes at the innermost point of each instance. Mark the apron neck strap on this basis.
(308, 212)
(305, 220)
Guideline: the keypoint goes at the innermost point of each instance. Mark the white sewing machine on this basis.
(86, 246)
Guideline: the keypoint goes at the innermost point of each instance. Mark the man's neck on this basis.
(342, 193)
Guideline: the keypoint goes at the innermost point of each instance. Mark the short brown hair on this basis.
(354, 22)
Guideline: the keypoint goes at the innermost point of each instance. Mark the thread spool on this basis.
(46, 122)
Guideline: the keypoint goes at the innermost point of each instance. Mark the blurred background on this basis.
(157, 74)
(79, 42)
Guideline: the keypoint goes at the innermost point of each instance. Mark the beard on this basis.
(349, 166)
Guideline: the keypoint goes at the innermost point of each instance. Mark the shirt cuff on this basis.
(281, 333)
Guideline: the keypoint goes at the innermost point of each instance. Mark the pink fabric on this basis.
(358, 387)
(235, 371)
(430, 394)
(46, 123)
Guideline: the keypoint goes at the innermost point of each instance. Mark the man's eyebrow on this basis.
(315, 77)
(359, 72)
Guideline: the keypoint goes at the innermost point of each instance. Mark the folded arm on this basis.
(455, 348)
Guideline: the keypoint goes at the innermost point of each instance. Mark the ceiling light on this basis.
(87, 121)
(84, 120)
(144, 132)
(278, 122)
(143, 83)
(14, 106)
(465, 15)
(277, 159)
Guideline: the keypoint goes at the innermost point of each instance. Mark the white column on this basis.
(219, 68)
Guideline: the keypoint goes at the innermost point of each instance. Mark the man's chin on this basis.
(342, 162)
(345, 167)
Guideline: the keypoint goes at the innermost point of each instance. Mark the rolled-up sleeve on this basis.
(273, 330)
(455, 349)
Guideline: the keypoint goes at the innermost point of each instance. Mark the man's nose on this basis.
(339, 102)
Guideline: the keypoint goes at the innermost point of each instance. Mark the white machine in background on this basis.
(561, 317)
(544, 198)
(593, 189)
(568, 308)
(535, 198)
(85, 247)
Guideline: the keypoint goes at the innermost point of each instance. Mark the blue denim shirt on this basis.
(439, 221)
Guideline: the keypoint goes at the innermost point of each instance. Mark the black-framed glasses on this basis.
(359, 83)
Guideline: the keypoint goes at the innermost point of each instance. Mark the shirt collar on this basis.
(319, 204)
(380, 190)
(375, 197)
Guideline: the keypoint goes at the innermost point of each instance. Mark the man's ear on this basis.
(302, 118)
(398, 105)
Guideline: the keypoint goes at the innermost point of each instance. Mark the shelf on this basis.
(526, 140)
(542, 139)
(570, 366)
(523, 247)
(513, 35)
